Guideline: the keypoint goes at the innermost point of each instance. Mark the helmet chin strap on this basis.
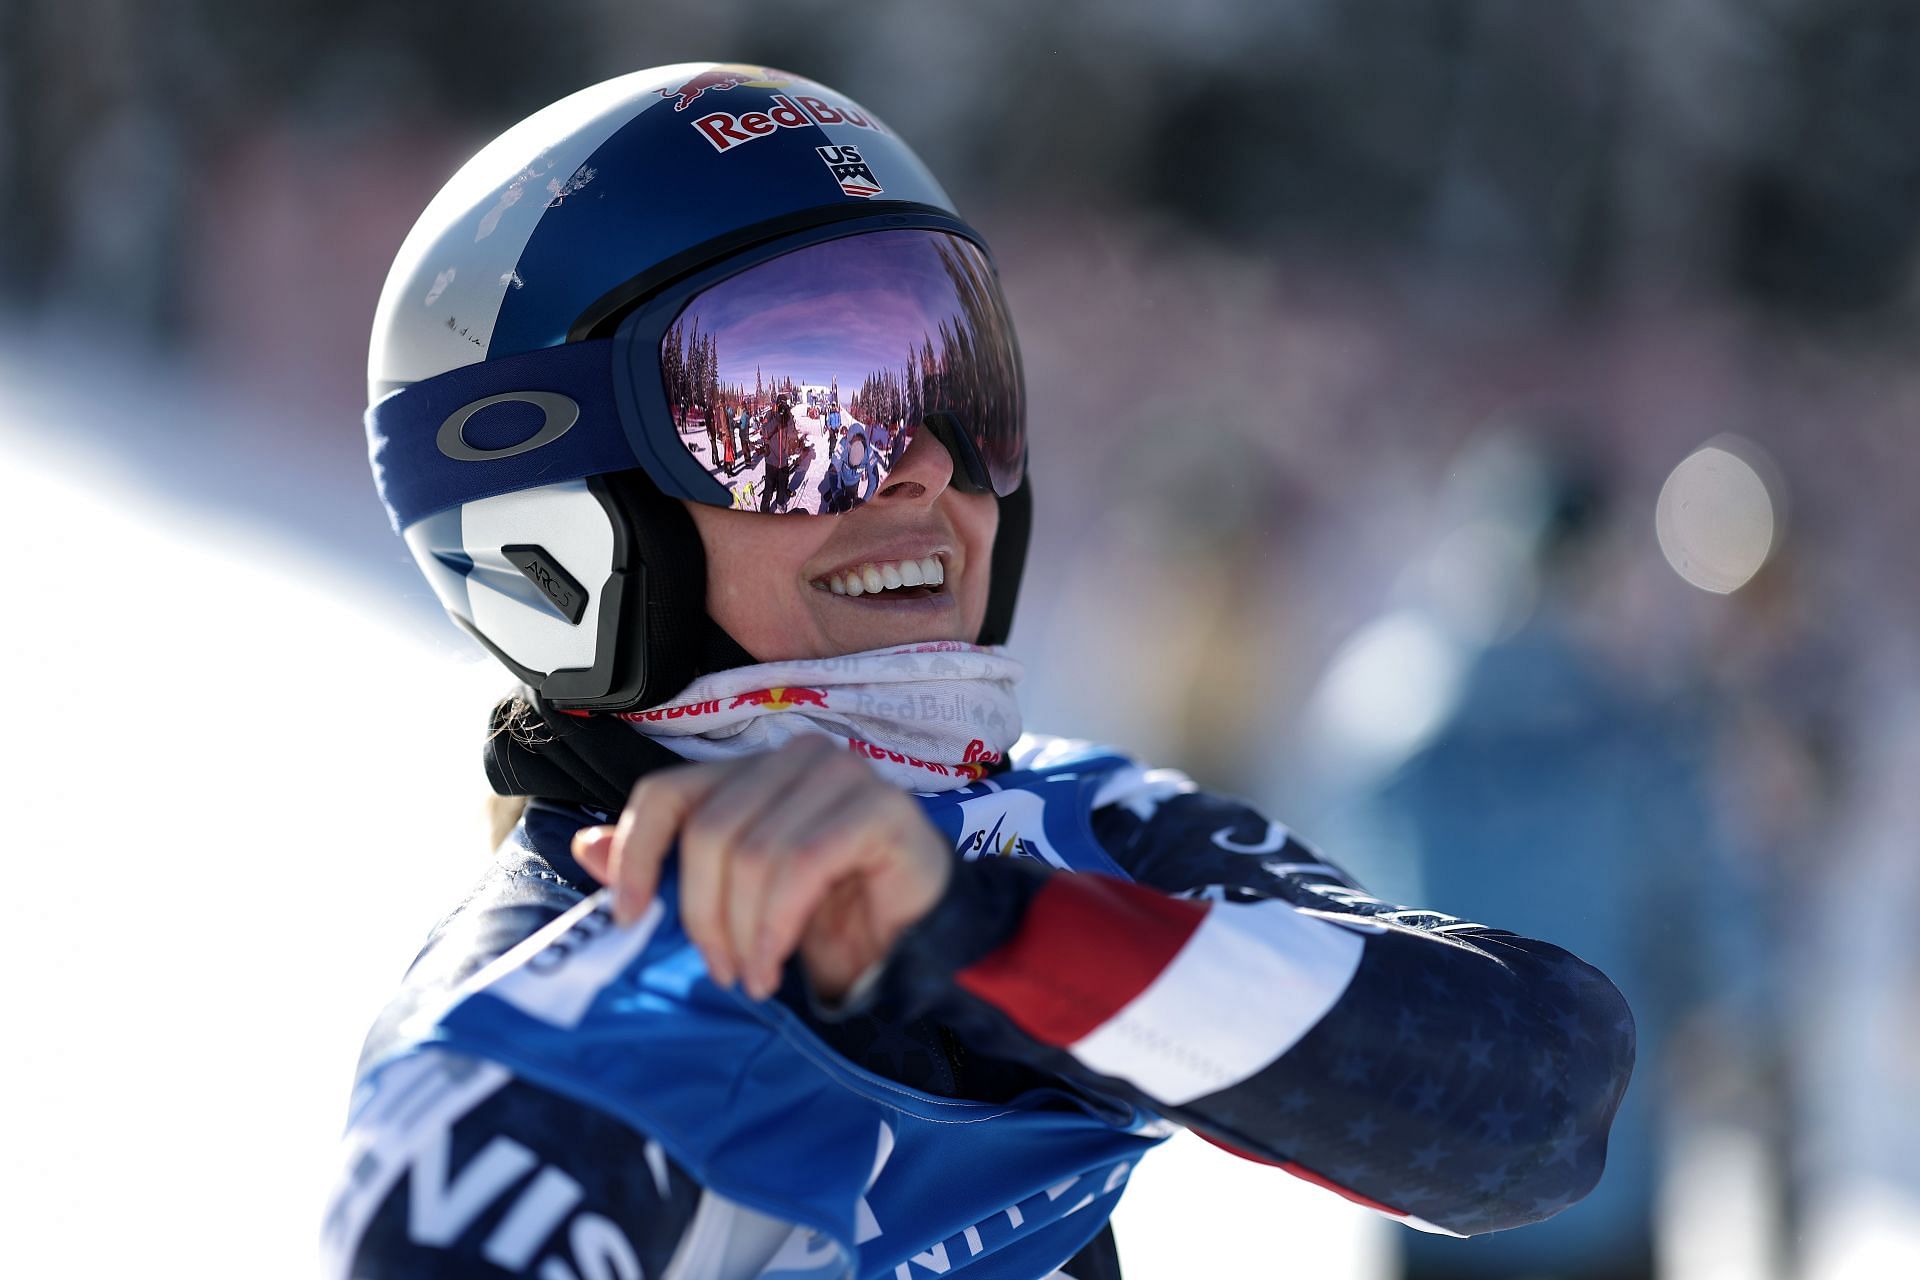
(677, 640)
(1009, 562)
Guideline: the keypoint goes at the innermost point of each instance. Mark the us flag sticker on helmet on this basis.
(855, 178)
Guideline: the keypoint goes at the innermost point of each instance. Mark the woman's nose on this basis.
(923, 472)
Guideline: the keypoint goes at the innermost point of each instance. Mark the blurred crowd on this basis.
(1365, 345)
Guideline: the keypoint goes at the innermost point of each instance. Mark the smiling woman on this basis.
(912, 564)
(878, 986)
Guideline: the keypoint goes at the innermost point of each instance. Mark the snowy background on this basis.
(1475, 414)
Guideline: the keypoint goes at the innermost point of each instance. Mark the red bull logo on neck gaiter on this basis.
(781, 699)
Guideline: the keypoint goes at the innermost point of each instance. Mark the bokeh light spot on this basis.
(1715, 518)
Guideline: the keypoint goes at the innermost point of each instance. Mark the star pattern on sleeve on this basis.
(1461, 1076)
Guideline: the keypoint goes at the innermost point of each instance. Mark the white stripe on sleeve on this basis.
(1252, 980)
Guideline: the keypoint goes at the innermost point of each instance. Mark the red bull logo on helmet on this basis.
(724, 78)
(799, 111)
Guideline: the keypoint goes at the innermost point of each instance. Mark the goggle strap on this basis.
(449, 439)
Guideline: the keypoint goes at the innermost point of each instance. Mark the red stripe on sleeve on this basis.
(1305, 1174)
(1088, 945)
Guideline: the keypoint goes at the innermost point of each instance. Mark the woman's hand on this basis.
(801, 847)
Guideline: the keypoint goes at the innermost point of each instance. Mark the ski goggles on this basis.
(792, 379)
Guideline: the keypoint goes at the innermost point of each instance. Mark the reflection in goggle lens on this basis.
(799, 382)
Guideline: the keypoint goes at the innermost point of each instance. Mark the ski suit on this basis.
(783, 454)
(1117, 953)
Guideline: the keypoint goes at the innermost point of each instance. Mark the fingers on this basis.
(655, 812)
(592, 847)
(716, 865)
(801, 882)
(902, 863)
(763, 841)
(833, 787)
(837, 944)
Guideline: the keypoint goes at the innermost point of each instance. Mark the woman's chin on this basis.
(852, 624)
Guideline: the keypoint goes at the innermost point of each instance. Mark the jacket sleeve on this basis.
(1457, 1077)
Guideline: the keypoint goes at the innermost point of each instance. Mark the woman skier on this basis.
(879, 986)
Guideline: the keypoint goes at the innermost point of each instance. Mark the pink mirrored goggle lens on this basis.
(799, 382)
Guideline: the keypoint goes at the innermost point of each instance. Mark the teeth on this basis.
(892, 576)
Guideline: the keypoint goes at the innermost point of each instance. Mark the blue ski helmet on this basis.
(531, 364)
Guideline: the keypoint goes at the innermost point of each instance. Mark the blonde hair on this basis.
(503, 815)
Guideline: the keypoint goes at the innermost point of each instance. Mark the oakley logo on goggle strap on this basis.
(558, 414)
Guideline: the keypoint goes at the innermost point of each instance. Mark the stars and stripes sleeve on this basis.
(1460, 1078)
